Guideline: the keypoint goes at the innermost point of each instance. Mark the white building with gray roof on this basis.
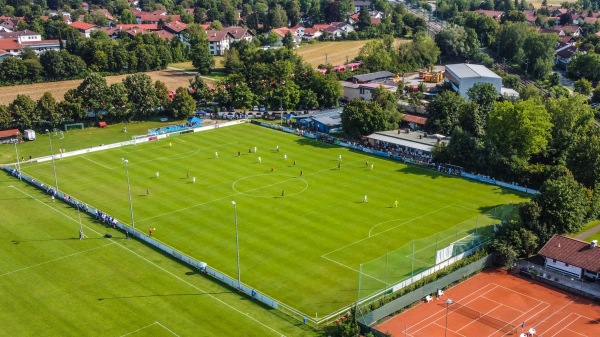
(463, 76)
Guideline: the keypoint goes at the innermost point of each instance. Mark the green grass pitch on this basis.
(304, 249)
(52, 284)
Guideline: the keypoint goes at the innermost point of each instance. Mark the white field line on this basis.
(387, 230)
(54, 260)
(166, 271)
(97, 163)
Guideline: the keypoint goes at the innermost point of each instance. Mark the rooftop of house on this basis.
(572, 251)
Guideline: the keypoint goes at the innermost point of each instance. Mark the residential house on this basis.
(176, 28)
(13, 43)
(105, 13)
(218, 41)
(574, 31)
(363, 91)
(8, 24)
(311, 34)
(496, 15)
(358, 5)
(281, 32)
(530, 15)
(572, 257)
(239, 33)
(130, 29)
(155, 17)
(84, 28)
(85, 6)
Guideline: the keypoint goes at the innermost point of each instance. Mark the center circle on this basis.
(269, 185)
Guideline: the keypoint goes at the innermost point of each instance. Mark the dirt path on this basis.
(588, 233)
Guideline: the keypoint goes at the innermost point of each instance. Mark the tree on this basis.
(6, 119)
(443, 112)
(564, 203)
(375, 57)
(277, 17)
(572, 119)
(293, 12)
(484, 95)
(511, 81)
(200, 90)
(47, 108)
(141, 93)
(93, 94)
(162, 93)
(519, 130)
(200, 54)
(583, 86)
(584, 158)
(288, 40)
(117, 100)
(362, 118)
(183, 105)
(327, 88)
(364, 18)
(456, 43)
(23, 110)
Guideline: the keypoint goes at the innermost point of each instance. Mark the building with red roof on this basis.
(572, 257)
(84, 27)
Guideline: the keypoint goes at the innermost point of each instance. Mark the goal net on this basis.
(74, 126)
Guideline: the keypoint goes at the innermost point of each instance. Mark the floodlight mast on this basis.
(237, 244)
(129, 190)
(53, 164)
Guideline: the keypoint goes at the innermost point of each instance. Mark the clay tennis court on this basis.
(495, 303)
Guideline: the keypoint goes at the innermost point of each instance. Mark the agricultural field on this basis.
(304, 226)
(53, 284)
(172, 78)
(334, 52)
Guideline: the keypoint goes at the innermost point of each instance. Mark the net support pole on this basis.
(412, 263)
(386, 275)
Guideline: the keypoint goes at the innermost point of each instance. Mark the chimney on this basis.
(594, 244)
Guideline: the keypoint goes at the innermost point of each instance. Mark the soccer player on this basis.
(365, 198)
(239, 154)
(294, 162)
(367, 163)
(301, 173)
(147, 191)
(371, 167)
(157, 174)
(285, 157)
(259, 160)
(340, 157)
(170, 144)
(396, 203)
(339, 166)
(283, 193)
(249, 150)
(194, 180)
(277, 148)
(80, 234)
(150, 231)
(255, 149)
(216, 154)
(188, 175)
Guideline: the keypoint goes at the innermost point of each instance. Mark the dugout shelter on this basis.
(10, 136)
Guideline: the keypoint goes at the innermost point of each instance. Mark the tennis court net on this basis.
(484, 318)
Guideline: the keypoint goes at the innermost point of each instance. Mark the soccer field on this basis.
(304, 249)
(52, 284)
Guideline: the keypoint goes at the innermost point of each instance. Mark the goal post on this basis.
(74, 126)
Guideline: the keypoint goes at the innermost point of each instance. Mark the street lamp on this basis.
(448, 302)
(18, 163)
(53, 164)
(129, 189)
(237, 244)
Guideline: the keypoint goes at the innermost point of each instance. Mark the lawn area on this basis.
(304, 229)
(587, 227)
(77, 139)
(52, 284)
(333, 52)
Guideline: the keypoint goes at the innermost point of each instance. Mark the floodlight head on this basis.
(232, 202)
(124, 160)
(449, 301)
(47, 130)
